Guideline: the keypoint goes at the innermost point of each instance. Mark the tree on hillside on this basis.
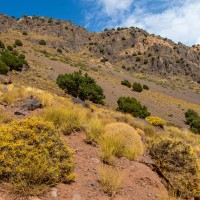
(81, 86)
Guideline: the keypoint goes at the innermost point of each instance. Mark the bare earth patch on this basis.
(140, 182)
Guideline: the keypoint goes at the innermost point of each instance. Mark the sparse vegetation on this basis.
(145, 87)
(42, 42)
(126, 83)
(81, 86)
(13, 60)
(4, 69)
(18, 43)
(110, 179)
(94, 130)
(59, 50)
(193, 119)
(137, 87)
(132, 106)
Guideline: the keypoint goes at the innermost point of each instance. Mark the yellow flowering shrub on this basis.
(156, 121)
(179, 164)
(32, 156)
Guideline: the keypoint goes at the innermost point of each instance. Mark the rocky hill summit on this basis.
(131, 49)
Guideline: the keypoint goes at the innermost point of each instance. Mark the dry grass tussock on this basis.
(111, 179)
(9, 94)
(67, 118)
(94, 130)
(119, 140)
(4, 117)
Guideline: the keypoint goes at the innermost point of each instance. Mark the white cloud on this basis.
(113, 7)
(178, 20)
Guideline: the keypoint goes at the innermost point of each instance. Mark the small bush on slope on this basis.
(4, 69)
(111, 180)
(156, 121)
(67, 119)
(126, 83)
(119, 140)
(94, 130)
(81, 86)
(179, 165)
(132, 106)
(193, 119)
(4, 117)
(137, 87)
(14, 62)
(33, 155)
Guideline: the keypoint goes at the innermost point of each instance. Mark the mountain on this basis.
(140, 142)
(131, 49)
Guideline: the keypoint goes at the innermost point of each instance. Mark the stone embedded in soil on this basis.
(95, 160)
(54, 194)
(76, 197)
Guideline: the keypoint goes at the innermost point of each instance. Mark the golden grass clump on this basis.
(178, 164)
(94, 130)
(12, 93)
(120, 140)
(156, 121)
(32, 156)
(111, 179)
(45, 97)
(4, 117)
(68, 119)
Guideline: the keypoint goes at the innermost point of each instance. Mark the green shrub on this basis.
(2, 46)
(126, 83)
(18, 43)
(9, 48)
(4, 69)
(42, 42)
(33, 156)
(59, 50)
(146, 61)
(145, 87)
(137, 87)
(195, 125)
(81, 86)
(21, 56)
(138, 59)
(50, 20)
(193, 119)
(24, 33)
(13, 61)
(132, 106)
(179, 165)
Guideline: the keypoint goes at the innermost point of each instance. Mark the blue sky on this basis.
(174, 19)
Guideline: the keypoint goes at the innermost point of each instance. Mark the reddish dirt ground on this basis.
(140, 182)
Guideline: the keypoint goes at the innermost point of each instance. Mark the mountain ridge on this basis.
(131, 49)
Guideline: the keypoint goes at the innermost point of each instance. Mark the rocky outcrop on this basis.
(132, 49)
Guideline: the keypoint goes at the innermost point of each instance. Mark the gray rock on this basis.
(31, 103)
(79, 101)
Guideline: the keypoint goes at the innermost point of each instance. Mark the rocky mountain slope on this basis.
(131, 49)
(156, 162)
